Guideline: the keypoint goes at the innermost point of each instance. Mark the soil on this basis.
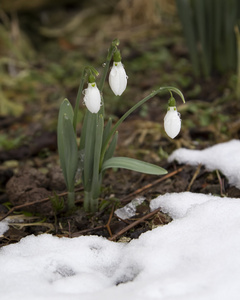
(32, 188)
(37, 186)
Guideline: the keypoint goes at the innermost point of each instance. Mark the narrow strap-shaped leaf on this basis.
(201, 16)
(97, 152)
(70, 152)
(218, 29)
(231, 19)
(89, 150)
(107, 130)
(65, 109)
(84, 131)
(111, 148)
(185, 14)
(134, 165)
(79, 94)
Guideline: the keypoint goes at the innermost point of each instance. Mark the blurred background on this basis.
(190, 44)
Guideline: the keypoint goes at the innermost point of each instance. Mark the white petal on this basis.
(92, 98)
(118, 78)
(172, 122)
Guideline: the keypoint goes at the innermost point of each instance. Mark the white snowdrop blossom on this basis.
(118, 78)
(172, 122)
(92, 98)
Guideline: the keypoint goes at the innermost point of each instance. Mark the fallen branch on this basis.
(32, 203)
(79, 233)
(135, 223)
(150, 185)
(109, 221)
(194, 177)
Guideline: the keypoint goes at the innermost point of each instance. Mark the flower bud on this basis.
(92, 98)
(118, 78)
(172, 122)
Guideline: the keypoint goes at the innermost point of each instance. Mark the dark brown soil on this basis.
(31, 185)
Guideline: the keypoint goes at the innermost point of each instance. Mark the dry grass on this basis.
(136, 12)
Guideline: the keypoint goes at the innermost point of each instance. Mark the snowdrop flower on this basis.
(92, 98)
(172, 121)
(117, 76)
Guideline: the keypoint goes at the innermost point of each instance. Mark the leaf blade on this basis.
(70, 152)
(65, 109)
(89, 150)
(111, 148)
(134, 165)
(96, 182)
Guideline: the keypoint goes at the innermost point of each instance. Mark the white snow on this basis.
(225, 157)
(3, 227)
(196, 256)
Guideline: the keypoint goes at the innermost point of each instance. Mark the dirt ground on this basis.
(44, 66)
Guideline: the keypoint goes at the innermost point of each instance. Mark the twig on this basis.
(32, 203)
(126, 221)
(150, 185)
(220, 183)
(109, 221)
(79, 233)
(194, 177)
(130, 226)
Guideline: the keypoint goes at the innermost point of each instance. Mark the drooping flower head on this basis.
(172, 121)
(92, 97)
(117, 76)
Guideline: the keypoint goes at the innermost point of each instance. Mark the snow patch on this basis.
(224, 157)
(196, 256)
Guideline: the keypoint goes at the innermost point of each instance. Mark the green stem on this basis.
(94, 205)
(90, 204)
(78, 99)
(89, 150)
(71, 200)
(85, 72)
(161, 89)
(111, 50)
(95, 186)
(87, 201)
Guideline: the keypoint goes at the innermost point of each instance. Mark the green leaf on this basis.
(134, 165)
(65, 109)
(70, 152)
(79, 94)
(185, 14)
(90, 132)
(111, 148)
(96, 182)
(107, 130)
(84, 131)
(177, 91)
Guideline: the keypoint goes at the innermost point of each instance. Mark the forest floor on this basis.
(33, 86)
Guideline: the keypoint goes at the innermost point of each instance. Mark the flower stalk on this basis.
(137, 105)
(85, 73)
